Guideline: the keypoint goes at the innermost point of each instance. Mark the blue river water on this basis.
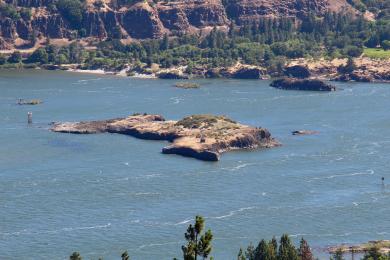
(103, 194)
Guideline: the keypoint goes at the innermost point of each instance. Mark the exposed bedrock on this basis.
(204, 137)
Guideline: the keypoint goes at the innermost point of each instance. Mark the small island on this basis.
(187, 85)
(204, 137)
(31, 102)
(302, 84)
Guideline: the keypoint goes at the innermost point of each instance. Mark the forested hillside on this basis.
(198, 35)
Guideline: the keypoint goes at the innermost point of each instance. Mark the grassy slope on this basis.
(377, 53)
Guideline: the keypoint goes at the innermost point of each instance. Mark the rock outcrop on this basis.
(367, 69)
(204, 137)
(304, 132)
(382, 246)
(302, 84)
(148, 19)
(297, 71)
(243, 11)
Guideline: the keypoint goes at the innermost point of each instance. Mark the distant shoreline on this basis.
(367, 70)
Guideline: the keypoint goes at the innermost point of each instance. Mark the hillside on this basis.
(24, 20)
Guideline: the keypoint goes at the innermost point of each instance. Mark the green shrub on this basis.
(39, 56)
(197, 121)
(15, 57)
(7, 10)
(3, 59)
(71, 10)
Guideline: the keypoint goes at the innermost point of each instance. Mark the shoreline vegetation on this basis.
(199, 246)
(340, 46)
(360, 69)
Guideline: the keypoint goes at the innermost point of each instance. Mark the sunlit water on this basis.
(103, 194)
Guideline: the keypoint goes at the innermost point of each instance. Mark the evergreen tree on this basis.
(338, 255)
(125, 256)
(304, 251)
(75, 256)
(15, 57)
(287, 250)
(250, 252)
(165, 43)
(40, 55)
(241, 255)
(374, 254)
(197, 244)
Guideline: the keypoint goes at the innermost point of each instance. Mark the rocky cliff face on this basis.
(149, 20)
(249, 10)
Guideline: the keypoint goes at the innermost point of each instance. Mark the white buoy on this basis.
(29, 117)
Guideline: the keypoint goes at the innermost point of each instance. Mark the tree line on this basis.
(199, 246)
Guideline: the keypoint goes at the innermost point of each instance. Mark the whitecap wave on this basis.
(233, 212)
(146, 193)
(65, 229)
(368, 172)
(158, 244)
(176, 100)
(87, 80)
(183, 222)
(238, 167)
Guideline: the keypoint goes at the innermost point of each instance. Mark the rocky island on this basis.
(204, 137)
(302, 84)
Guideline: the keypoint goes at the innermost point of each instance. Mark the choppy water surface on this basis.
(103, 194)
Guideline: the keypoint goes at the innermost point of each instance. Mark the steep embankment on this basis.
(22, 20)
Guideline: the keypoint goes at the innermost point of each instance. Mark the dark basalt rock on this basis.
(148, 19)
(213, 73)
(188, 152)
(171, 75)
(302, 84)
(248, 73)
(304, 132)
(204, 137)
(297, 71)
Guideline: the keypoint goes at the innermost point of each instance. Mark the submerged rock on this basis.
(204, 137)
(302, 84)
(31, 102)
(187, 85)
(304, 132)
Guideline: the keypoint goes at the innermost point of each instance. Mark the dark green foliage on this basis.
(338, 255)
(241, 255)
(75, 256)
(353, 51)
(125, 256)
(272, 251)
(72, 11)
(197, 244)
(386, 45)
(9, 11)
(15, 57)
(3, 59)
(39, 56)
(116, 33)
(348, 68)
(25, 13)
(287, 250)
